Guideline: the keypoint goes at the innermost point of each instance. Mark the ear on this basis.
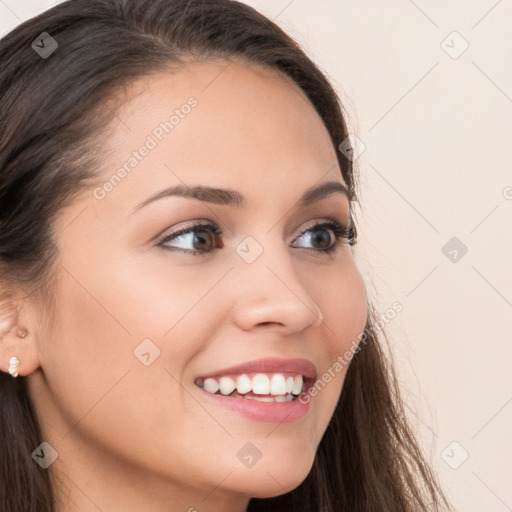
(16, 338)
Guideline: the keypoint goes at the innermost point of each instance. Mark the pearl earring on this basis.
(13, 368)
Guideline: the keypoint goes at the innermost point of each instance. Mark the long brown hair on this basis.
(53, 112)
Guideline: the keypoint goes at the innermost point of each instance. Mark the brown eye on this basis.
(201, 239)
(321, 238)
(196, 239)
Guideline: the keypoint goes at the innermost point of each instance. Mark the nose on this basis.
(271, 293)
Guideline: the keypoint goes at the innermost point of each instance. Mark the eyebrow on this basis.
(233, 198)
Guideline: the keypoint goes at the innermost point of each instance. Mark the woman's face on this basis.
(139, 320)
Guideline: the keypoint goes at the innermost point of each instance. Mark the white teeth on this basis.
(289, 384)
(227, 385)
(261, 398)
(211, 385)
(243, 384)
(284, 398)
(274, 385)
(297, 385)
(277, 384)
(260, 384)
(279, 398)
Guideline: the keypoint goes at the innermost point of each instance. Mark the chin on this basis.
(270, 480)
(271, 488)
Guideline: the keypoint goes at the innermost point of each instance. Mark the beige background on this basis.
(436, 127)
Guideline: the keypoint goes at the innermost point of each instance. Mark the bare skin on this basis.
(133, 437)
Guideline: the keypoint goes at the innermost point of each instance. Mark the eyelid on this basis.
(319, 220)
(342, 231)
(207, 222)
(186, 226)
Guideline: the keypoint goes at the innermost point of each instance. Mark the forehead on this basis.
(248, 124)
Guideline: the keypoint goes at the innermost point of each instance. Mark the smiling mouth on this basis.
(278, 387)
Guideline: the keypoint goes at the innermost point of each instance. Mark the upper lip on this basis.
(269, 365)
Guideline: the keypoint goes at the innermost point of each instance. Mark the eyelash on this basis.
(340, 232)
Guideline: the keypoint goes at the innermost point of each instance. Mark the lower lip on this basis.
(270, 412)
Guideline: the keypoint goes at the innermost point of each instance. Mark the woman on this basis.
(183, 323)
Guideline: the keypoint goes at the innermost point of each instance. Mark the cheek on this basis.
(343, 302)
(341, 296)
(101, 389)
(159, 295)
